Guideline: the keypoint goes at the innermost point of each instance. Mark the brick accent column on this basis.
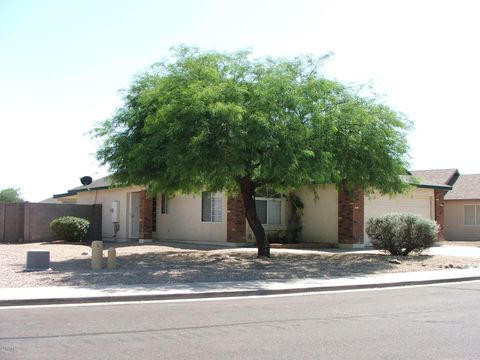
(350, 219)
(440, 212)
(236, 221)
(145, 220)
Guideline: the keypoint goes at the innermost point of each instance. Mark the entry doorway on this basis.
(134, 214)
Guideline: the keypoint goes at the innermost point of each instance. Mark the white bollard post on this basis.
(97, 254)
(112, 258)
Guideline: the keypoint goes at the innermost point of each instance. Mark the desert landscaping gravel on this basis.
(160, 264)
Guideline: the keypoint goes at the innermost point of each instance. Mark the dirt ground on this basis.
(159, 264)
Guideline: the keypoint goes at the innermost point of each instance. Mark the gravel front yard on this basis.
(157, 264)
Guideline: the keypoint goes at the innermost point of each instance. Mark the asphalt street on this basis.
(429, 322)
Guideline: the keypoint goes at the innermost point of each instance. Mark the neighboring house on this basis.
(462, 203)
(50, 200)
(462, 210)
(446, 177)
(331, 217)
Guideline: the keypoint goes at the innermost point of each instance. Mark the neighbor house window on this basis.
(164, 209)
(211, 207)
(471, 214)
(154, 214)
(269, 211)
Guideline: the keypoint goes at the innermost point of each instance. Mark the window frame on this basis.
(267, 199)
(215, 198)
(476, 211)
(164, 204)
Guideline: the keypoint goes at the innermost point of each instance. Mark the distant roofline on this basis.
(75, 192)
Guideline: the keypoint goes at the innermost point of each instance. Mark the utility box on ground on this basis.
(37, 260)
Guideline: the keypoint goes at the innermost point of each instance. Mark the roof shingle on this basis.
(467, 187)
(436, 177)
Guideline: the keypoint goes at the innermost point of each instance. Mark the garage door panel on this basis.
(420, 205)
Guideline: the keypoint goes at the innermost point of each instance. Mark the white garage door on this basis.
(416, 204)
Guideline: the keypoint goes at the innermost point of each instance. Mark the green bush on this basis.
(400, 234)
(70, 228)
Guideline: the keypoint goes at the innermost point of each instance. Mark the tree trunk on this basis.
(248, 193)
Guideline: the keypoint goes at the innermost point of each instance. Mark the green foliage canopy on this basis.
(206, 120)
(10, 195)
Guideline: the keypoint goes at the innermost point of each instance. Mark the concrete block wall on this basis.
(30, 222)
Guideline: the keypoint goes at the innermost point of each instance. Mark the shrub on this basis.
(400, 234)
(277, 237)
(70, 228)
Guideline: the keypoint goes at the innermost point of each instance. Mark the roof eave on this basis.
(435, 187)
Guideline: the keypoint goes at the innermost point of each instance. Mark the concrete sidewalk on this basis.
(73, 295)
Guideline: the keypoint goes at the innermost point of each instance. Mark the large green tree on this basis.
(10, 195)
(226, 122)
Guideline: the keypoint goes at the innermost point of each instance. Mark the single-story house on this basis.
(332, 217)
(462, 203)
(462, 209)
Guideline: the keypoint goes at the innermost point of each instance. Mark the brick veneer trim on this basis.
(351, 209)
(440, 212)
(236, 221)
(145, 220)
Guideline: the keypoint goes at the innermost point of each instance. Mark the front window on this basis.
(471, 214)
(211, 207)
(269, 211)
(164, 204)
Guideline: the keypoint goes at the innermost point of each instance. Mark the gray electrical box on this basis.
(37, 260)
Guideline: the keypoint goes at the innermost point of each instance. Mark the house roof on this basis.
(99, 184)
(428, 179)
(103, 182)
(437, 176)
(467, 187)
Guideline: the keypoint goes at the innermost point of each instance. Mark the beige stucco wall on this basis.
(184, 221)
(454, 222)
(320, 216)
(106, 197)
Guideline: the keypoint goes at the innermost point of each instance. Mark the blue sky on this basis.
(62, 64)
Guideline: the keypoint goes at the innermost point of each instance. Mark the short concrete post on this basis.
(112, 258)
(97, 254)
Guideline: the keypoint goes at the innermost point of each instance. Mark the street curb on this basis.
(226, 294)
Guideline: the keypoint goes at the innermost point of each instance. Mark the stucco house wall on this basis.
(325, 213)
(106, 197)
(455, 228)
(184, 220)
(320, 216)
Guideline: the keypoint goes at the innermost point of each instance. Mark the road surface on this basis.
(430, 322)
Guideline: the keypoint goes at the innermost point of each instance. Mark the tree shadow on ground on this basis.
(176, 267)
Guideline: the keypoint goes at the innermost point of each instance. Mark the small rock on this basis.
(459, 267)
(450, 266)
(395, 261)
(84, 253)
(424, 264)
